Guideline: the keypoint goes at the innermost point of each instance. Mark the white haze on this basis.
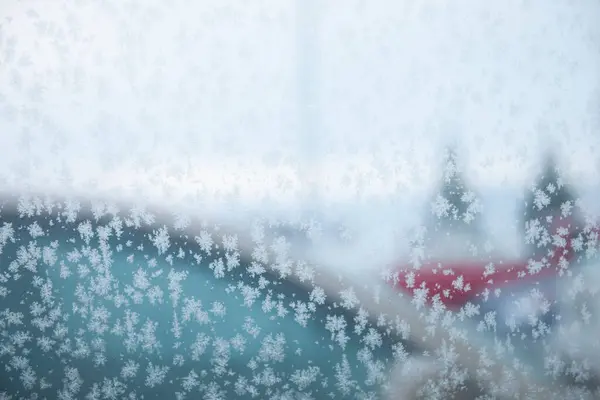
(202, 104)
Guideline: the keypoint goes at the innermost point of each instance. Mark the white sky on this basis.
(191, 95)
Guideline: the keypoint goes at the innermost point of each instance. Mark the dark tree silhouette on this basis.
(549, 204)
(455, 208)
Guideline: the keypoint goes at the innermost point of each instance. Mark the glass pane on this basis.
(116, 305)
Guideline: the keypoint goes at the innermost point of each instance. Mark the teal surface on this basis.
(100, 297)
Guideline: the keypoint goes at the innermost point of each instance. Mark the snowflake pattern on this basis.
(219, 201)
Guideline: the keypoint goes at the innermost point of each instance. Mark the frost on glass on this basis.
(535, 311)
(454, 221)
(105, 301)
(309, 132)
(109, 304)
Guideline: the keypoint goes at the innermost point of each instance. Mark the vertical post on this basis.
(307, 61)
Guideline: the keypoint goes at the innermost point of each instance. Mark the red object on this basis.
(458, 282)
(467, 279)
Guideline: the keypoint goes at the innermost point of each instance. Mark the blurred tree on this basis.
(549, 204)
(456, 209)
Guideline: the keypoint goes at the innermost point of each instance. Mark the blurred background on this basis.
(343, 107)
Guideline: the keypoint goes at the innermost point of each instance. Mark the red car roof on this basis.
(467, 279)
(459, 281)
